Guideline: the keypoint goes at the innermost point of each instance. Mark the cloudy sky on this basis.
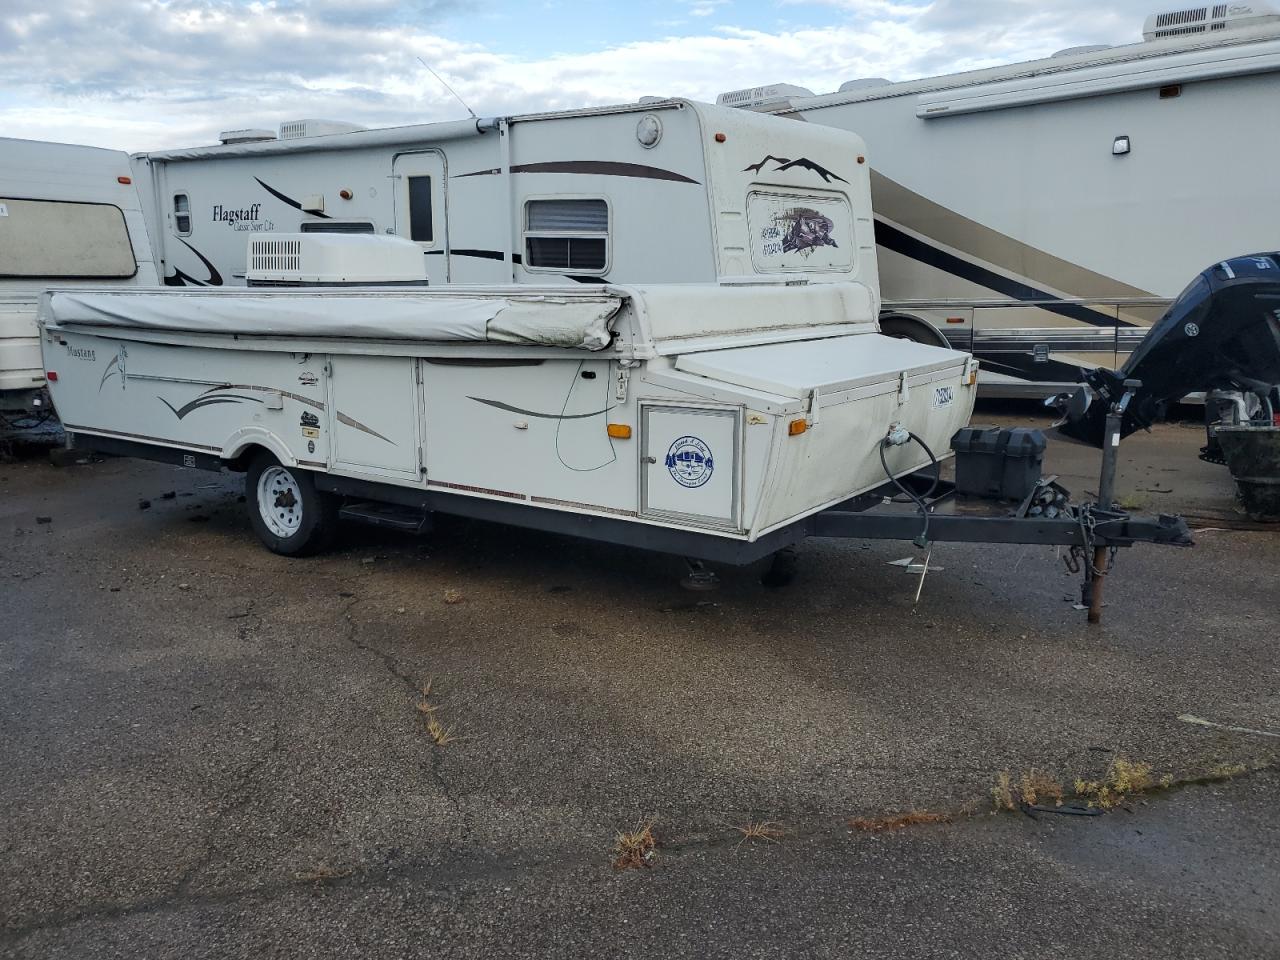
(144, 74)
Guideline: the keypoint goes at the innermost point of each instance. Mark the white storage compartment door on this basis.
(374, 415)
(689, 465)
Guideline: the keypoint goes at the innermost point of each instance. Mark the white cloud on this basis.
(143, 74)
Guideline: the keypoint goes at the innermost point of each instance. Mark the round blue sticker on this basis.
(689, 462)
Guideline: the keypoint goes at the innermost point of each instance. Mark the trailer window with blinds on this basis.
(54, 239)
(567, 234)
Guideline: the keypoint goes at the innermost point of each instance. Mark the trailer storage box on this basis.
(995, 462)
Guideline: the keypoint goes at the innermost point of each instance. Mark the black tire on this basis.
(305, 520)
(782, 569)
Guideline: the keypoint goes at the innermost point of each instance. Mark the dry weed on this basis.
(897, 822)
(1123, 779)
(321, 873)
(767, 830)
(636, 848)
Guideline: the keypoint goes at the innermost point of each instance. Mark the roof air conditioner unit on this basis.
(334, 260)
(773, 96)
(293, 129)
(1209, 18)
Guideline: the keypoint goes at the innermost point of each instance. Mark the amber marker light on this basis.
(797, 427)
(125, 180)
(345, 194)
(619, 431)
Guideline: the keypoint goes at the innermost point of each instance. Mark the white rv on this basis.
(666, 191)
(68, 215)
(1043, 214)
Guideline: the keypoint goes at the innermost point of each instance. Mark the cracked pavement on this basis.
(211, 751)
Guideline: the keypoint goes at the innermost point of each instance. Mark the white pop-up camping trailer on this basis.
(701, 419)
(68, 215)
(721, 422)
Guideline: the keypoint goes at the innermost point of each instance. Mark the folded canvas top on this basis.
(576, 321)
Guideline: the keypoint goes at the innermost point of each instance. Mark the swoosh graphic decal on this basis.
(351, 422)
(891, 238)
(204, 401)
(111, 368)
(534, 413)
(287, 199)
(181, 279)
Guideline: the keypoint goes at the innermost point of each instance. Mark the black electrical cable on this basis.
(917, 499)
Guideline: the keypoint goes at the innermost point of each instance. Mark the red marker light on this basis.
(125, 180)
(52, 376)
(721, 138)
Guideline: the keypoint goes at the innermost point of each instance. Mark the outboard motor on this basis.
(1222, 333)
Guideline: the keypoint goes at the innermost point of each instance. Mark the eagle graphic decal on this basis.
(804, 230)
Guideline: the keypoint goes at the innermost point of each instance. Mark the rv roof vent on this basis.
(245, 136)
(293, 129)
(334, 260)
(645, 100)
(763, 98)
(1206, 19)
(1078, 51)
(863, 83)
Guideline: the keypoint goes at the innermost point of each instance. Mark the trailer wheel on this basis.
(782, 569)
(286, 510)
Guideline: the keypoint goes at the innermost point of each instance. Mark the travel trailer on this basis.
(664, 191)
(1044, 214)
(69, 215)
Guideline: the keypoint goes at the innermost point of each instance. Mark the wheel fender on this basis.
(247, 437)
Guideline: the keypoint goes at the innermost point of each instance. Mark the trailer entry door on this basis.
(418, 180)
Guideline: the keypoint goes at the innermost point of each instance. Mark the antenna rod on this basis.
(449, 88)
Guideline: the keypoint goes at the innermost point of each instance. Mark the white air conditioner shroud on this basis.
(321, 259)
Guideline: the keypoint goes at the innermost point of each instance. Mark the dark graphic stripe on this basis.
(479, 254)
(606, 168)
(289, 200)
(111, 368)
(891, 238)
(212, 396)
(351, 422)
(541, 416)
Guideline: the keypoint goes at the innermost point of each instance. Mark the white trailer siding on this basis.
(66, 217)
(675, 211)
(998, 195)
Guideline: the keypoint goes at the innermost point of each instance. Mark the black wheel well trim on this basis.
(938, 338)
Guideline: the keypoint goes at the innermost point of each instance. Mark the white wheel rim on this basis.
(280, 501)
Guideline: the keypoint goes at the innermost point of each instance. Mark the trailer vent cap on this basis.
(245, 136)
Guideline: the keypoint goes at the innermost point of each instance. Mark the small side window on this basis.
(182, 214)
(420, 209)
(567, 235)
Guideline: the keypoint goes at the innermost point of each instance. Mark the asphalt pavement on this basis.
(211, 751)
